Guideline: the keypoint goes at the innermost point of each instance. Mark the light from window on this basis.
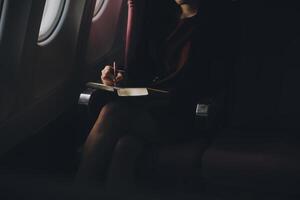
(1, 18)
(98, 6)
(53, 11)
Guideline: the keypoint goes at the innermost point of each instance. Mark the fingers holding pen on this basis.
(119, 77)
(107, 70)
(108, 76)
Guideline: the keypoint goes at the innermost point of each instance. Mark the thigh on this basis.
(173, 124)
(159, 123)
(126, 117)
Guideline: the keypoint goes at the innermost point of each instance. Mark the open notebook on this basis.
(125, 92)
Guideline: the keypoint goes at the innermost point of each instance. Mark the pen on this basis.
(115, 72)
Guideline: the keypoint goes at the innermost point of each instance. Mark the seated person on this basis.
(182, 65)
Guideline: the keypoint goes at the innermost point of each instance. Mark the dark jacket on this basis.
(207, 72)
(205, 78)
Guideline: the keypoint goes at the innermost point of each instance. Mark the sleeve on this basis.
(141, 67)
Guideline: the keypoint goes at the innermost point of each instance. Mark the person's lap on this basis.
(157, 123)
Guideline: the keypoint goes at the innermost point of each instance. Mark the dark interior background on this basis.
(41, 124)
(42, 127)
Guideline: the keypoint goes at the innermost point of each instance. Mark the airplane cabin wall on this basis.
(14, 27)
(107, 38)
(38, 82)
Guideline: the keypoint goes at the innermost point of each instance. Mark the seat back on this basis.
(267, 75)
(260, 152)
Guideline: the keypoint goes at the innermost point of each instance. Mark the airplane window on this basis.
(1, 5)
(52, 15)
(98, 6)
(1, 8)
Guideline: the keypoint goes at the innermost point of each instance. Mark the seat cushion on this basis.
(173, 163)
(253, 159)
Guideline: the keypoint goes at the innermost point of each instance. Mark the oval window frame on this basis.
(1, 6)
(2, 13)
(56, 25)
(99, 9)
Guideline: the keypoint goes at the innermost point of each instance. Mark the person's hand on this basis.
(107, 76)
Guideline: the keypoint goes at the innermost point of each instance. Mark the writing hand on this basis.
(107, 76)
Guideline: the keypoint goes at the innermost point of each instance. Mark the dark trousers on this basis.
(140, 121)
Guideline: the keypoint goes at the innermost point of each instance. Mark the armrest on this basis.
(86, 97)
(93, 99)
(211, 114)
(90, 104)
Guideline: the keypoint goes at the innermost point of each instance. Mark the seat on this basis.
(260, 151)
(174, 165)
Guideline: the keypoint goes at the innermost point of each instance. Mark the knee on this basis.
(116, 109)
(116, 106)
(112, 118)
(128, 144)
(114, 112)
